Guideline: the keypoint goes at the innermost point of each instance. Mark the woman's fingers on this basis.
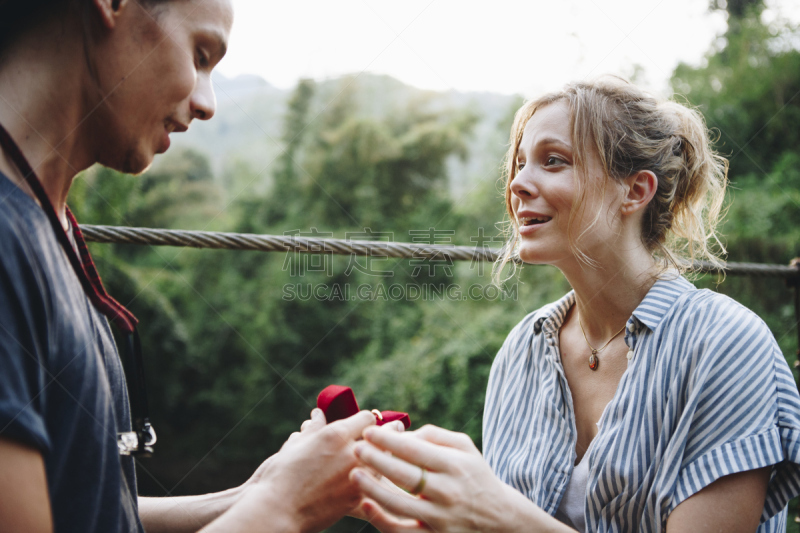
(402, 474)
(445, 437)
(399, 504)
(385, 522)
(409, 448)
(350, 429)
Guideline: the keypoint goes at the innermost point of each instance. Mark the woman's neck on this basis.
(606, 295)
(48, 126)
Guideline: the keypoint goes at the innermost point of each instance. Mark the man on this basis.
(107, 81)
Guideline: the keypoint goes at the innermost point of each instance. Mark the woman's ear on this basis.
(641, 189)
(110, 10)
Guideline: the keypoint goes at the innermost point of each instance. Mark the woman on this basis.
(107, 81)
(636, 402)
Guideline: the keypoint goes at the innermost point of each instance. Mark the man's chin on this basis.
(134, 162)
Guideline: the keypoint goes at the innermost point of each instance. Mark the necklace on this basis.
(594, 362)
(140, 441)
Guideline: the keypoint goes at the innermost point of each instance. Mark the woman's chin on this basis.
(532, 256)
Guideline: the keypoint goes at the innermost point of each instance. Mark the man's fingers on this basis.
(293, 436)
(316, 422)
(351, 428)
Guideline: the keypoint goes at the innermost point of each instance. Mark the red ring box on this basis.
(338, 402)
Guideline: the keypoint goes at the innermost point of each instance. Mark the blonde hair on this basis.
(631, 131)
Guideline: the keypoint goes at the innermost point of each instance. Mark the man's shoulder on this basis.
(26, 238)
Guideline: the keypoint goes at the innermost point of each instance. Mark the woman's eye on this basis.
(520, 166)
(553, 160)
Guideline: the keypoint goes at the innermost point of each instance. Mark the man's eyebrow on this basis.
(218, 40)
(222, 45)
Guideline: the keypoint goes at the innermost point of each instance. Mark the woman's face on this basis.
(545, 191)
(154, 73)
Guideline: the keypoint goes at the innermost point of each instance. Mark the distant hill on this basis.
(247, 125)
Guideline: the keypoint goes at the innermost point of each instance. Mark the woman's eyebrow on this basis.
(554, 140)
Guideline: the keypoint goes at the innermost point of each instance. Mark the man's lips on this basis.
(169, 127)
(164, 142)
(174, 125)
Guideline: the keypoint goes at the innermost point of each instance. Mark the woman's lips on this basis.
(529, 222)
(530, 228)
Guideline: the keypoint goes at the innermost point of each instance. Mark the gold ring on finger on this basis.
(421, 485)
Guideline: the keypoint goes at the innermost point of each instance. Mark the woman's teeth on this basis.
(529, 221)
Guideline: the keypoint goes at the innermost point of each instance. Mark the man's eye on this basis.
(202, 58)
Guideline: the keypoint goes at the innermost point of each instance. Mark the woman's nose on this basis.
(203, 101)
(522, 186)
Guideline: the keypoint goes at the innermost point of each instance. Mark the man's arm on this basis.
(302, 488)
(305, 487)
(184, 514)
(24, 500)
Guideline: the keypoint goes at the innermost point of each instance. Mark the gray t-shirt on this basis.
(62, 387)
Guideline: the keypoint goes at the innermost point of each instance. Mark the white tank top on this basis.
(570, 510)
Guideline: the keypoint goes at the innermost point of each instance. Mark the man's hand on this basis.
(305, 486)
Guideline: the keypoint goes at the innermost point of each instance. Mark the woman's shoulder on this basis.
(710, 336)
(707, 314)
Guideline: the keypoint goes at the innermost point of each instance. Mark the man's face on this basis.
(154, 73)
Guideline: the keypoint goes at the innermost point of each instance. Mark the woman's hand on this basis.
(459, 492)
(360, 511)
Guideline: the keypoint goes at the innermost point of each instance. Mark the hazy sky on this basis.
(507, 46)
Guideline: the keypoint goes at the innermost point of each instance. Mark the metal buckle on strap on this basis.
(137, 443)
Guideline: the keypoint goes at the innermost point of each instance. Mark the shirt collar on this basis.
(660, 299)
(553, 315)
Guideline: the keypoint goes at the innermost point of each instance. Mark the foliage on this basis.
(237, 347)
(749, 91)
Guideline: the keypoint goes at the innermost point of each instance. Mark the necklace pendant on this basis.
(593, 360)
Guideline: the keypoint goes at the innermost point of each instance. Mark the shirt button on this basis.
(631, 327)
(630, 355)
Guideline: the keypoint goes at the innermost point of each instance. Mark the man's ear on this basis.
(642, 187)
(110, 10)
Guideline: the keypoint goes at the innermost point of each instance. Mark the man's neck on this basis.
(46, 124)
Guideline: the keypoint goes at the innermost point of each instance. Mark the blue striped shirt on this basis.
(707, 393)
